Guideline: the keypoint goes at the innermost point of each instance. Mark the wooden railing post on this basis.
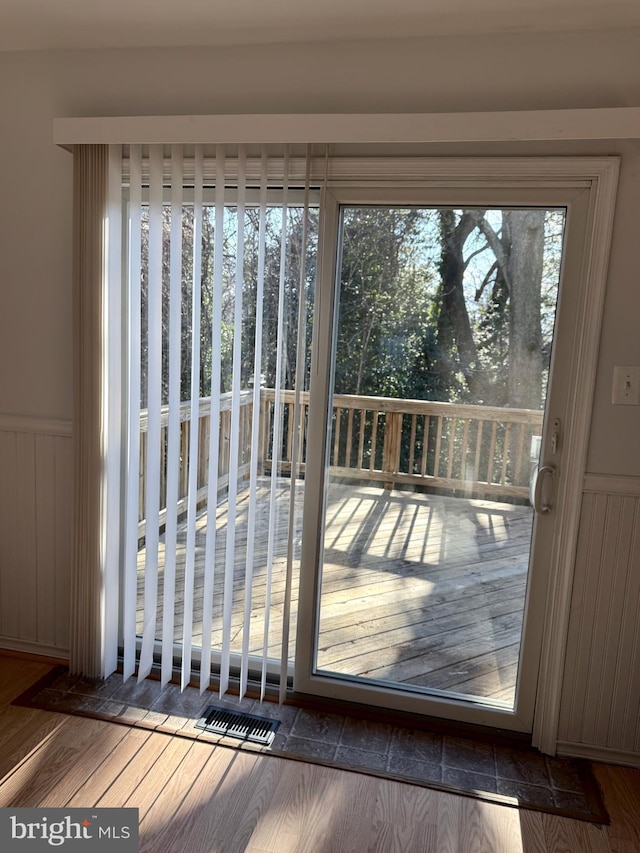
(392, 446)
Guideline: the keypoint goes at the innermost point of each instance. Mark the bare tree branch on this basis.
(480, 290)
(465, 226)
(495, 243)
(475, 255)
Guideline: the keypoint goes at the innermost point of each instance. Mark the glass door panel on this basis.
(442, 343)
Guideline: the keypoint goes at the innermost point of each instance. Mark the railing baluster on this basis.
(492, 450)
(184, 458)
(522, 428)
(453, 422)
(268, 422)
(465, 444)
(290, 431)
(347, 459)
(336, 441)
(425, 446)
(412, 443)
(476, 464)
(505, 454)
(203, 444)
(398, 419)
(223, 463)
(374, 439)
(436, 464)
(363, 420)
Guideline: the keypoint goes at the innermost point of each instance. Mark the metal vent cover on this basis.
(238, 724)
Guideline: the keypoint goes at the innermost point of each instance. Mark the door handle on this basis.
(535, 490)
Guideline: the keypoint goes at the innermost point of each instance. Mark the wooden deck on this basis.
(417, 589)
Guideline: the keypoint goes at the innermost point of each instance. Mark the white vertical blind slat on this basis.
(133, 431)
(297, 438)
(112, 404)
(214, 434)
(173, 427)
(192, 500)
(277, 423)
(234, 444)
(154, 402)
(255, 431)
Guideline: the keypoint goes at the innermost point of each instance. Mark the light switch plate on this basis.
(626, 385)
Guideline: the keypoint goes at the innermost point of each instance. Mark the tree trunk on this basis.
(457, 347)
(524, 234)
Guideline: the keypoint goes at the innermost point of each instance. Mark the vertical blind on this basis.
(90, 211)
(217, 284)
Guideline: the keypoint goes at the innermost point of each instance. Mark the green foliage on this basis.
(385, 294)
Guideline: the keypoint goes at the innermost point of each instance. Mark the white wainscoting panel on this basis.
(600, 713)
(35, 534)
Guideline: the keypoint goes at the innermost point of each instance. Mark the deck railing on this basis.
(480, 450)
(204, 430)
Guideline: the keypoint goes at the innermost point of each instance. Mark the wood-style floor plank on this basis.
(224, 781)
(159, 824)
(296, 807)
(21, 730)
(623, 783)
(97, 785)
(132, 776)
(532, 829)
(64, 759)
(100, 746)
(244, 812)
(561, 836)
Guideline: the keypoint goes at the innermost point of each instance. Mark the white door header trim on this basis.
(506, 126)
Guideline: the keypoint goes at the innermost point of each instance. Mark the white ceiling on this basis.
(43, 24)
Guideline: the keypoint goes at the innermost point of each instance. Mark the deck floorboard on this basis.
(418, 589)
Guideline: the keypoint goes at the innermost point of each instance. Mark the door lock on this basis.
(555, 436)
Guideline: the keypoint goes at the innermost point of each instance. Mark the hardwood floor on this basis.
(419, 589)
(193, 797)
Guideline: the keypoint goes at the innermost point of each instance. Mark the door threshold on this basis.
(407, 719)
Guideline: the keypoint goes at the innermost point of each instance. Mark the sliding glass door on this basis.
(349, 422)
(439, 391)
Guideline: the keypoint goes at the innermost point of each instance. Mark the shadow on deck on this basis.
(416, 589)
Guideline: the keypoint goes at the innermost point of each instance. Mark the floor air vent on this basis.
(237, 724)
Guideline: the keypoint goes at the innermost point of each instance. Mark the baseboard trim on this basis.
(34, 424)
(603, 754)
(22, 648)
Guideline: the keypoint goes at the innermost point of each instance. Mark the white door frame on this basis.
(588, 186)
